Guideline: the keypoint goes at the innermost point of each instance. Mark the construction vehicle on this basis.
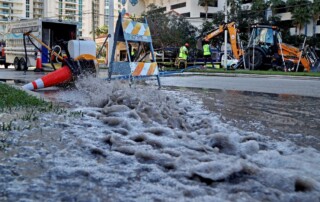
(236, 46)
(50, 31)
(266, 50)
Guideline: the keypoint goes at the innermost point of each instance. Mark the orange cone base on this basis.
(60, 76)
(38, 63)
(38, 70)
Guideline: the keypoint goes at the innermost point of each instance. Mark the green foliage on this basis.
(169, 30)
(300, 10)
(11, 97)
(101, 31)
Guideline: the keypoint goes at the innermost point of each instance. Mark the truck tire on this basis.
(253, 59)
(22, 64)
(16, 64)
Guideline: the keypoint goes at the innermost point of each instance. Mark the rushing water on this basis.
(142, 144)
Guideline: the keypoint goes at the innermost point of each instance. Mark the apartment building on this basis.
(286, 18)
(196, 14)
(11, 10)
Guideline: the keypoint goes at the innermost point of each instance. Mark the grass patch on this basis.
(12, 97)
(242, 71)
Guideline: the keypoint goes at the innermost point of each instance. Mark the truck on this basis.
(51, 32)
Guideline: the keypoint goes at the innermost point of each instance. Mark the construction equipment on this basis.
(50, 31)
(266, 49)
(234, 39)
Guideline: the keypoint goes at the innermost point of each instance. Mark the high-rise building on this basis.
(11, 10)
(64, 10)
(196, 14)
(94, 13)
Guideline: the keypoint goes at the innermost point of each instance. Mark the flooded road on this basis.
(280, 116)
(142, 144)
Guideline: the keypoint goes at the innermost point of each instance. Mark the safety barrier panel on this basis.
(130, 31)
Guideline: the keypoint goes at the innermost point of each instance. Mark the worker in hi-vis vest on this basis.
(131, 52)
(183, 54)
(207, 53)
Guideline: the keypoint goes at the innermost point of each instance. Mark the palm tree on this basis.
(206, 4)
(275, 5)
(315, 14)
(300, 11)
(101, 31)
(258, 10)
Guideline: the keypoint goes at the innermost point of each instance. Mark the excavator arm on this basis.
(234, 40)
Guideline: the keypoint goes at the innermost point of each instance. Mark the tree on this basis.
(300, 11)
(315, 14)
(276, 5)
(258, 11)
(101, 31)
(205, 4)
(169, 29)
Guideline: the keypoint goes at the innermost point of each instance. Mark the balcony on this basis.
(73, 8)
(71, 2)
(12, 1)
(12, 8)
(37, 13)
(38, 7)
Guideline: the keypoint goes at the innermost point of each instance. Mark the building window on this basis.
(186, 14)
(203, 15)
(180, 5)
(212, 3)
(246, 1)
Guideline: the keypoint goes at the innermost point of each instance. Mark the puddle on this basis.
(142, 144)
(280, 116)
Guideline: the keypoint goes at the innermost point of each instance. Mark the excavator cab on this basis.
(262, 47)
(266, 49)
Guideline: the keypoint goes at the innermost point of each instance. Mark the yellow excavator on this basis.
(266, 49)
(234, 39)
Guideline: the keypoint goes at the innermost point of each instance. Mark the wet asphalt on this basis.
(277, 106)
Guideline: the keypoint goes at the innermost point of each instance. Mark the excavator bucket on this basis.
(313, 59)
(316, 66)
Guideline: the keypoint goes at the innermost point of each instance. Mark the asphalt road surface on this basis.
(303, 86)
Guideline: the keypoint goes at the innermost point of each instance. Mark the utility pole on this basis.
(110, 29)
(225, 34)
(93, 27)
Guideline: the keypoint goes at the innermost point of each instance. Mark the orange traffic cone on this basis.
(62, 75)
(38, 63)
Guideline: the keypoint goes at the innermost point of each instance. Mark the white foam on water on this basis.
(144, 144)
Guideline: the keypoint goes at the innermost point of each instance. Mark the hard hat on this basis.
(186, 44)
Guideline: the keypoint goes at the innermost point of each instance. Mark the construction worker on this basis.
(207, 53)
(183, 55)
(131, 52)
